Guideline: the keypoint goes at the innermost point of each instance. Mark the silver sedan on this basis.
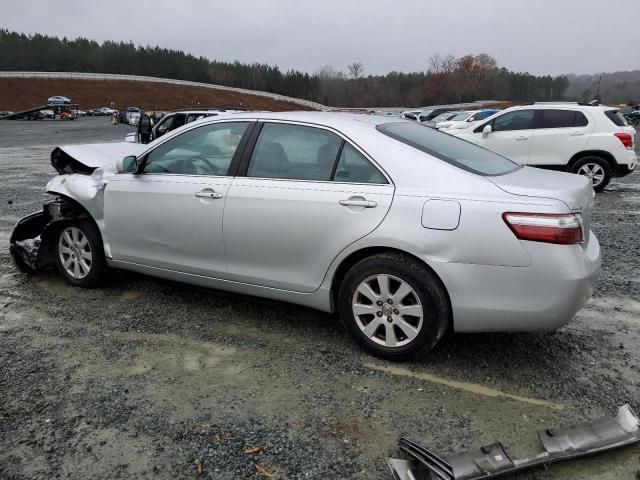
(404, 231)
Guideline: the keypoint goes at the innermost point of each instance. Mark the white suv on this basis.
(594, 141)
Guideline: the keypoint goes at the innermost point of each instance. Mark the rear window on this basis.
(457, 152)
(616, 117)
(562, 119)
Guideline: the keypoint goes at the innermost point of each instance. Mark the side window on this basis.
(353, 167)
(518, 120)
(165, 125)
(557, 119)
(205, 150)
(580, 120)
(179, 120)
(194, 116)
(294, 152)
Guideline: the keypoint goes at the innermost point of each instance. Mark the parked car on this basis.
(466, 119)
(405, 231)
(58, 100)
(411, 114)
(428, 115)
(108, 111)
(6, 113)
(177, 119)
(440, 118)
(34, 115)
(48, 113)
(132, 115)
(594, 141)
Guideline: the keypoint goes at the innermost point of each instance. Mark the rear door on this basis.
(170, 215)
(510, 136)
(306, 195)
(559, 134)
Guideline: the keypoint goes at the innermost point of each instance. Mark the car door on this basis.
(306, 195)
(170, 215)
(559, 134)
(510, 136)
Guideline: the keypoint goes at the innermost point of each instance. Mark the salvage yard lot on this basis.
(151, 379)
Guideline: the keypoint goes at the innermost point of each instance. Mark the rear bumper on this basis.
(541, 297)
(627, 164)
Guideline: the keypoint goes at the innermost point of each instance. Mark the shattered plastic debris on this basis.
(28, 250)
(559, 444)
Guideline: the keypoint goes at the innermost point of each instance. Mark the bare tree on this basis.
(356, 69)
(435, 63)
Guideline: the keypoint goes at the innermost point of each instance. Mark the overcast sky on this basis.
(539, 36)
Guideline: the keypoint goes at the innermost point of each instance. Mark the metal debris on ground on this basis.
(559, 444)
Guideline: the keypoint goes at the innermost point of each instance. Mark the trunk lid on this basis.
(575, 191)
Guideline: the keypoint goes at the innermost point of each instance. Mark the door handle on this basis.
(576, 134)
(208, 194)
(359, 203)
(522, 137)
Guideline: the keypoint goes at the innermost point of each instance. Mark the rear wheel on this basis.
(393, 306)
(596, 169)
(79, 254)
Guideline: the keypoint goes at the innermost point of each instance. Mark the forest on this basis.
(445, 79)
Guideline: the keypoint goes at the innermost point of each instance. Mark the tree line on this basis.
(447, 79)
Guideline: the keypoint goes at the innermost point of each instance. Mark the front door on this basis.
(510, 136)
(170, 215)
(306, 196)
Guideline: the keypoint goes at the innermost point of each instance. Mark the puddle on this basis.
(465, 386)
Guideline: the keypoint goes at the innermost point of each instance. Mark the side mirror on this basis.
(127, 164)
(486, 130)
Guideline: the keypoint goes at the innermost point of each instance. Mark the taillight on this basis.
(564, 228)
(626, 139)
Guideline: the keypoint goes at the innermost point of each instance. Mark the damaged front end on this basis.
(495, 460)
(31, 244)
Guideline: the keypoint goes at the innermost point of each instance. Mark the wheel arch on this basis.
(365, 252)
(593, 153)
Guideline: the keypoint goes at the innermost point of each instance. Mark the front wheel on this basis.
(79, 254)
(393, 306)
(596, 169)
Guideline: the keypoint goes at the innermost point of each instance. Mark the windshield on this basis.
(460, 117)
(450, 149)
(444, 116)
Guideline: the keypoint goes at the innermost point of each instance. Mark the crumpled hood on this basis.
(86, 158)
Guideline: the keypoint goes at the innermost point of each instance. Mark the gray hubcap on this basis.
(593, 171)
(75, 252)
(387, 310)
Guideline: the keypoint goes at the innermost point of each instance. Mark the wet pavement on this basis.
(146, 378)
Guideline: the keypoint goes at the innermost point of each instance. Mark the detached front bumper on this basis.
(559, 444)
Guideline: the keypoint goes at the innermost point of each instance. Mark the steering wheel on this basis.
(187, 166)
(212, 167)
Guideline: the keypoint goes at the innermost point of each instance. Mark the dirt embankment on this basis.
(17, 94)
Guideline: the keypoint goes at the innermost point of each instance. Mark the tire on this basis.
(79, 254)
(595, 168)
(414, 289)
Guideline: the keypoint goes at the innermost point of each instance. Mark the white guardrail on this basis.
(139, 78)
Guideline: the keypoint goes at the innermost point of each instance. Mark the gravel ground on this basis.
(147, 378)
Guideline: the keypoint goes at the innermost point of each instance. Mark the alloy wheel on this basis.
(75, 252)
(387, 310)
(592, 171)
